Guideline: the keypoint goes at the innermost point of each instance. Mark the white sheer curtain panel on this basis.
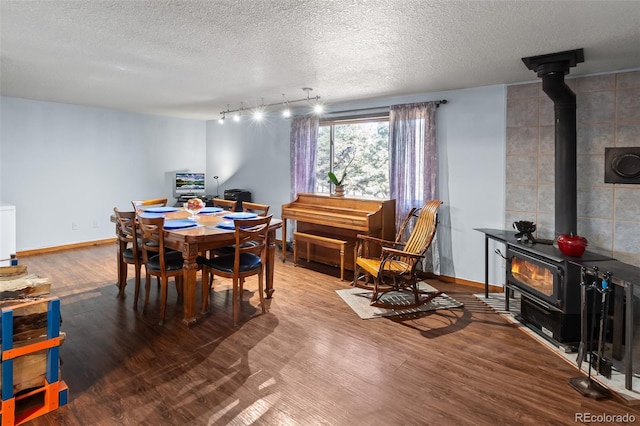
(413, 163)
(304, 141)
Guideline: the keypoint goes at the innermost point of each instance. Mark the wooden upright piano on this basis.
(339, 217)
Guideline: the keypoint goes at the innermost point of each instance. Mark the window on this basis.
(360, 145)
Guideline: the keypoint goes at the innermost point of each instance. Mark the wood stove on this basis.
(550, 289)
(549, 284)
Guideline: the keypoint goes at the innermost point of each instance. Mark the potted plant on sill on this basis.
(339, 187)
(347, 155)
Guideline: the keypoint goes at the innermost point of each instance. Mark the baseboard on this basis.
(461, 281)
(64, 247)
(43, 250)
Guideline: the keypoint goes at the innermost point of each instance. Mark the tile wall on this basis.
(608, 115)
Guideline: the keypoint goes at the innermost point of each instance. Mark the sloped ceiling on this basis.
(193, 58)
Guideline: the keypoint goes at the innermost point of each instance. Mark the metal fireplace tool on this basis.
(586, 385)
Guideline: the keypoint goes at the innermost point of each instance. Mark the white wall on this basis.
(66, 164)
(252, 156)
(63, 164)
(471, 144)
(472, 138)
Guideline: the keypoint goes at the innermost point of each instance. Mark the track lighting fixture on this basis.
(286, 111)
(260, 110)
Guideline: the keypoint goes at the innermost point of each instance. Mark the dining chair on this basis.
(159, 261)
(259, 209)
(395, 269)
(229, 205)
(248, 259)
(151, 202)
(128, 251)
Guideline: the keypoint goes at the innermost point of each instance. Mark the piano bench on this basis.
(322, 241)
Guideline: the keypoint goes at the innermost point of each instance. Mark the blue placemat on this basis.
(151, 215)
(227, 224)
(179, 224)
(210, 210)
(240, 215)
(161, 209)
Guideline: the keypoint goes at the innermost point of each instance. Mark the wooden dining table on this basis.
(197, 240)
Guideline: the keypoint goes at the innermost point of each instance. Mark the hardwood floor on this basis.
(309, 361)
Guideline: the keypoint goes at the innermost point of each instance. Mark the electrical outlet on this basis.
(74, 226)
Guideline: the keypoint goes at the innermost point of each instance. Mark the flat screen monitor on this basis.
(189, 183)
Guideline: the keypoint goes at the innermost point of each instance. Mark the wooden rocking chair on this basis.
(395, 269)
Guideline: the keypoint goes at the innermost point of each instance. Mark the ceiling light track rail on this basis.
(284, 104)
(229, 111)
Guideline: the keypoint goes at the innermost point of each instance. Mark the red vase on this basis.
(572, 245)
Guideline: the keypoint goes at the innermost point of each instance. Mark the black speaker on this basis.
(238, 195)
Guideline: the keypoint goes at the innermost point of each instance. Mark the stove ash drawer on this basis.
(564, 328)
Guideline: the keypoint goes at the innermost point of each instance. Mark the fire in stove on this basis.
(535, 276)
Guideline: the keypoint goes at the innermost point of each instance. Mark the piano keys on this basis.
(341, 218)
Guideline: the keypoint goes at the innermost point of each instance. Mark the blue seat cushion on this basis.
(172, 260)
(221, 251)
(248, 262)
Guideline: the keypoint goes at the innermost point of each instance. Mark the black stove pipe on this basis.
(552, 68)
(566, 185)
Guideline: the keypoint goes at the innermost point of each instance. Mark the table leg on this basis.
(507, 295)
(486, 267)
(628, 341)
(122, 270)
(618, 322)
(189, 285)
(271, 258)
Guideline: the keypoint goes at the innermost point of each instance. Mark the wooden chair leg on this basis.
(122, 272)
(136, 291)
(122, 280)
(261, 291)
(356, 272)
(236, 304)
(179, 289)
(163, 299)
(147, 285)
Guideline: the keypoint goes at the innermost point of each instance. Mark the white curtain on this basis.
(413, 164)
(304, 141)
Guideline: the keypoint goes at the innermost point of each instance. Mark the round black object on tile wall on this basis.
(622, 165)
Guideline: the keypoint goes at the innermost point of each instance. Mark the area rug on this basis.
(358, 299)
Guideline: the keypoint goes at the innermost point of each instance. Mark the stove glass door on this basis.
(533, 274)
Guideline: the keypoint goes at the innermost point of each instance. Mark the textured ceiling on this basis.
(192, 58)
